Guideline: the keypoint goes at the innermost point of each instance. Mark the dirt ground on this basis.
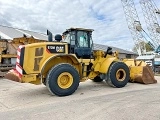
(91, 101)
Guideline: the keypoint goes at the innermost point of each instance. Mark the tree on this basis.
(148, 47)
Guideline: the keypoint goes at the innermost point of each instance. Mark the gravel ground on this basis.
(91, 101)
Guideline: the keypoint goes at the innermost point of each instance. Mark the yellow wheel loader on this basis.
(62, 64)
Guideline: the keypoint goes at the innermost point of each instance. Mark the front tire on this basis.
(62, 80)
(118, 75)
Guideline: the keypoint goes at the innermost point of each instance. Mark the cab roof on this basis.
(82, 29)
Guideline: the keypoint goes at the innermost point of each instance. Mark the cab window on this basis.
(66, 38)
(82, 39)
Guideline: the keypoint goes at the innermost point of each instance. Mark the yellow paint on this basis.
(135, 70)
(8, 56)
(121, 75)
(31, 78)
(103, 64)
(92, 74)
(30, 56)
(65, 80)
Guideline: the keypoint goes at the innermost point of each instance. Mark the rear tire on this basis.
(97, 79)
(118, 75)
(62, 80)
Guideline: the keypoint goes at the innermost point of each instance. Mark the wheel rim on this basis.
(121, 75)
(65, 80)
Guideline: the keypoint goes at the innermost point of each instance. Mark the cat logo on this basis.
(60, 49)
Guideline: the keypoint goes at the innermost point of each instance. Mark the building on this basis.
(9, 33)
(122, 53)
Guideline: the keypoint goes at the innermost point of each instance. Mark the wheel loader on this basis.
(62, 64)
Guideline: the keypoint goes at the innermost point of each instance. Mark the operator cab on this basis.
(79, 41)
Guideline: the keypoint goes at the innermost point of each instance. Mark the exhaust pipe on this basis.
(50, 39)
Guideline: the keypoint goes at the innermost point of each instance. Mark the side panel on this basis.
(37, 53)
(33, 57)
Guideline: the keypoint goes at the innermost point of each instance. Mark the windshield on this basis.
(82, 38)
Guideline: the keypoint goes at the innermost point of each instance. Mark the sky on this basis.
(106, 17)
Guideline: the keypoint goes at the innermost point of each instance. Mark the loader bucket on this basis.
(140, 72)
(13, 75)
